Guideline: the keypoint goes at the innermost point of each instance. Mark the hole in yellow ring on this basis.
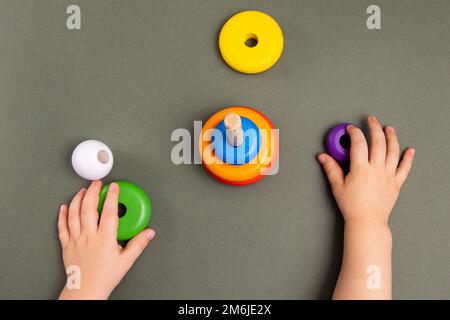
(251, 40)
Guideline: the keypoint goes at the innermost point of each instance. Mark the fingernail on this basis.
(61, 207)
(390, 129)
(150, 234)
(82, 190)
(96, 183)
(413, 152)
(373, 118)
(321, 158)
(113, 187)
(350, 127)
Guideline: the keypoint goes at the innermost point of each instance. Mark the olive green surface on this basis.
(137, 209)
(137, 70)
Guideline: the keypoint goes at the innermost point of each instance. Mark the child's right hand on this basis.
(369, 191)
(366, 197)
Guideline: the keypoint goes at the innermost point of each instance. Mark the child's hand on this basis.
(369, 192)
(366, 197)
(92, 246)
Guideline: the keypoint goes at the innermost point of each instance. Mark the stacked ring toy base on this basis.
(137, 209)
(338, 143)
(243, 174)
(256, 27)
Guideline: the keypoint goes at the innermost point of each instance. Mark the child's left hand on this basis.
(92, 246)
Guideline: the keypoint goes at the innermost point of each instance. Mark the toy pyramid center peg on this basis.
(233, 124)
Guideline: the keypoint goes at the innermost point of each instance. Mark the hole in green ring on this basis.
(122, 210)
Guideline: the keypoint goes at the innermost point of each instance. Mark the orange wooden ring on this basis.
(239, 174)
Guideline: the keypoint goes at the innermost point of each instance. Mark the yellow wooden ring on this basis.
(238, 174)
(244, 26)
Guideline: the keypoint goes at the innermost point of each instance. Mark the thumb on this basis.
(332, 169)
(136, 246)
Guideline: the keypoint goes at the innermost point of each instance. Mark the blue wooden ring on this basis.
(237, 155)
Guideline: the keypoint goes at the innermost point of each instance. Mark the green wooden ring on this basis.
(138, 209)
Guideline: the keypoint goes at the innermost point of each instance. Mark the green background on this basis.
(140, 69)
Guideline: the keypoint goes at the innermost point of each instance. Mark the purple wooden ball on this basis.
(338, 143)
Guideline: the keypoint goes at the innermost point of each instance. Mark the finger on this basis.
(74, 213)
(63, 228)
(89, 213)
(109, 219)
(359, 153)
(393, 149)
(136, 246)
(332, 169)
(377, 142)
(405, 165)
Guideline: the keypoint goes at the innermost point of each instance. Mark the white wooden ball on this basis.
(92, 160)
